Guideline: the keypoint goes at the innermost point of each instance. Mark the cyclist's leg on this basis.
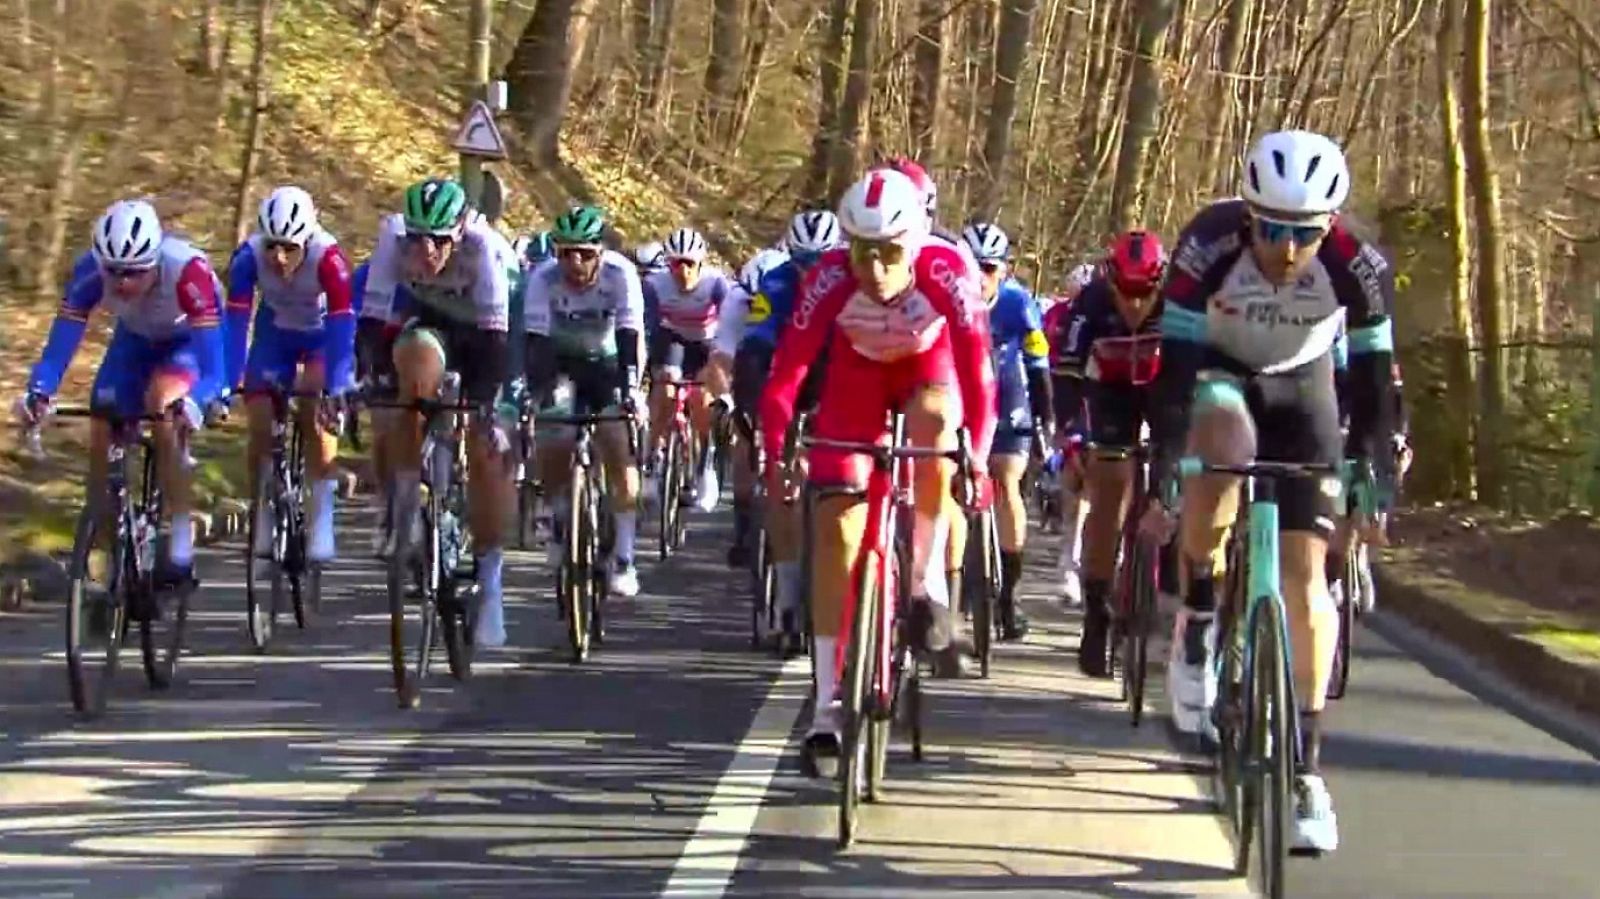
(1210, 505)
(1074, 507)
(118, 388)
(596, 387)
(696, 355)
(380, 380)
(419, 361)
(1299, 423)
(749, 367)
(932, 414)
(1114, 417)
(321, 449)
(1007, 465)
(269, 366)
(666, 364)
(175, 371)
(838, 526)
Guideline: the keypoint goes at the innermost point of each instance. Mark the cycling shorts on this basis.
(453, 341)
(129, 365)
(276, 354)
(1118, 413)
(670, 349)
(856, 397)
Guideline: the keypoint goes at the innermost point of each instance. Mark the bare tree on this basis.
(1011, 51)
(539, 78)
(835, 56)
(1143, 114)
(261, 95)
(927, 77)
(857, 92)
(716, 101)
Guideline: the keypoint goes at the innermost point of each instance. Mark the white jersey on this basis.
(165, 311)
(584, 321)
(377, 302)
(473, 289)
(730, 325)
(690, 314)
(298, 302)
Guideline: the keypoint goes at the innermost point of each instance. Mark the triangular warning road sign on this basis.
(478, 135)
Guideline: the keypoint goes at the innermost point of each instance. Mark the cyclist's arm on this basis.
(242, 277)
(339, 325)
(1184, 341)
(1069, 379)
(730, 329)
(1036, 365)
(630, 328)
(969, 347)
(822, 294)
(202, 308)
(1365, 287)
(83, 293)
(491, 300)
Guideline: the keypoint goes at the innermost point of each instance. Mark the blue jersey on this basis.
(1016, 327)
(358, 286)
(772, 304)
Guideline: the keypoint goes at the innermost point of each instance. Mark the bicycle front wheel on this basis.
(857, 706)
(1136, 634)
(578, 575)
(96, 619)
(263, 578)
(1270, 750)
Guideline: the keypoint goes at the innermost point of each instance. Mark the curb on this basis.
(1522, 660)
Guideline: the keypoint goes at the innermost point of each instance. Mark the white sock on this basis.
(934, 586)
(627, 529)
(1072, 527)
(827, 684)
(490, 566)
(180, 541)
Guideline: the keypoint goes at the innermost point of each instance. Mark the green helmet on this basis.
(435, 206)
(579, 225)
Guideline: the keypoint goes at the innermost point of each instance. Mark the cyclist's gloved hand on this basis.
(32, 407)
(186, 413)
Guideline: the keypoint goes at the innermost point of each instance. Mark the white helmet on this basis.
(650, 256)
(987, 241)
(882, 206)
(686, 243)
(128, 234)
(765, 261)
(1080, 276)
(1296, 172)
(288, 214)
(812, 231)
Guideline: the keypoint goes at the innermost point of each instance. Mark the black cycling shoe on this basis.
(1013, 624)
(819, 755)
(930, 627)
(1093, 648)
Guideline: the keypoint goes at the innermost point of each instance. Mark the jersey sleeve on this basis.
(536, 303)
(635, 297)
(199, 298)
(1205, 251)
(953, 287)
(1035, 348)
(78, 301)
(339, 326)
(383, 276)
(1363, 282)
(822, 294)
(491, 290)
(730, 328)
(242, 279)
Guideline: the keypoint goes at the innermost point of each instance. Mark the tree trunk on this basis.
(759, 35)
(210, 58)
(371, 15)
(230, 20)
(261, 90)
(1011, 51)
(1458, 364)
(539, 79)
(830, 77)
(657, 56)
(1143, 114)
(927, 78)
(857, 93)
(1491, 258)
(726, 42)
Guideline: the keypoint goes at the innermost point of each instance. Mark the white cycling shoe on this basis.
(1191, 680)
(624, 578)
(1316, 828)
(709, 490)
(1071, 583)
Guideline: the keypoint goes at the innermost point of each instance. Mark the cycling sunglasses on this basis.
(287, 246)
(887, 252)
(991, 266)
(683, 262)
(578, 253)
(439, 241)
(124, 272)
(1280, 232)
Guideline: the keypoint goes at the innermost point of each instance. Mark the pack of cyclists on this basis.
(857, 312)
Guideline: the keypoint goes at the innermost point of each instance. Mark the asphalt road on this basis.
(667, 765)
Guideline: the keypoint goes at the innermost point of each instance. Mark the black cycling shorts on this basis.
(669, 348)
(596, 383)
(1297, 420)
(1117, 413)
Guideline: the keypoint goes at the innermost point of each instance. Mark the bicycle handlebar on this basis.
(1189, 466)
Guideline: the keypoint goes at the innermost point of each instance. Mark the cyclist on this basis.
(374, 360)
(810, 234)
(165, 358)
(904, 322)
(1064, 462)
(451, 273)
(1258, 292)
(685, 302)
(585, 313)
(304, 341)
(1022, 366)
(649, 257)
(1110, 350)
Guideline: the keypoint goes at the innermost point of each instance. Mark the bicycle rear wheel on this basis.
(96, 620)
(408, 685)
(161, 633)
(667, 479)
(1270, 749)
(885, 680)
(857, 705)
(977, 583)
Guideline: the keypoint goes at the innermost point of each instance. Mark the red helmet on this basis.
(1136, 262)
(919, 176)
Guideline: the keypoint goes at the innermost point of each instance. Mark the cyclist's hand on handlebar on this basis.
(32, 408)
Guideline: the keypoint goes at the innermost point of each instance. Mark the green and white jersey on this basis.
(583, 321)
(474, 289)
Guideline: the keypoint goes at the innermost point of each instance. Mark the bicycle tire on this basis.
(1347, 599)
(399, 574)
(1141, 621)
(601, 543)
(667, 481)
(881, 708)
(295, 516)
(856, 708)
(577, 579)
(1232, 712)
(433, 581)
(1270, 747)
(688, 456)
(762, 608)
(88, 678)
(260, 619)
(979, 598)
(162, 650)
